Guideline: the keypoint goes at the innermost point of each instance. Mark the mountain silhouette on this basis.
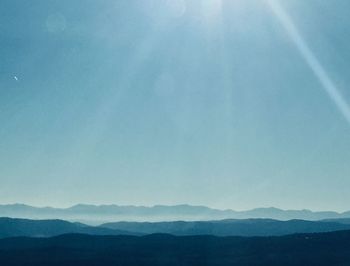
(105, 213)
(10, 227)
(245, 227)
(161, 249)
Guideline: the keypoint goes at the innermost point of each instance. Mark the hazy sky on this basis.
(231, 104)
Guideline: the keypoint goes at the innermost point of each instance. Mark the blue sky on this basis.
(208, 102)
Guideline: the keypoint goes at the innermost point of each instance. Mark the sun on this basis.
(211, 9)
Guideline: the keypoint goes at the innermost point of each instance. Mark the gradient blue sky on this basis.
(231, 104)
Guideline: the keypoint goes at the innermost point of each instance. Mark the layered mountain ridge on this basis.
(108, 213)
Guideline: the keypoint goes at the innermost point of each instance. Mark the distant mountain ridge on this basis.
(12, 227)
(106, 213)
(241, 227)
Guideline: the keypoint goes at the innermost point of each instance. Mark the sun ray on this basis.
(310, 58)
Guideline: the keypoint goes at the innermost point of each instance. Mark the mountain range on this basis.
(13, 227)
(161, 249)
(221, 242)
(241, 227)
(96, 214)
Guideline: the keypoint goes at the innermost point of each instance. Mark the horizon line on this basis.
(169, 205)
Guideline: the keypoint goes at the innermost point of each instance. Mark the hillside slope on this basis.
(302, 249)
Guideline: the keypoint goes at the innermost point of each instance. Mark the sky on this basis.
(229, 104)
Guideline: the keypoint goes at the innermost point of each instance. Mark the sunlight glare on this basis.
(312, 61)
(211, 9)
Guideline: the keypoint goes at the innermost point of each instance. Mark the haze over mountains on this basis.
(241, 227)
(14, 227)
(215, 242)
(96, 214)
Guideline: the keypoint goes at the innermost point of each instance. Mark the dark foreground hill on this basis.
(244, 227)
(302, 249)
(10, 227)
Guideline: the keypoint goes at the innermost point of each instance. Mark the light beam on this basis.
(310, 59)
